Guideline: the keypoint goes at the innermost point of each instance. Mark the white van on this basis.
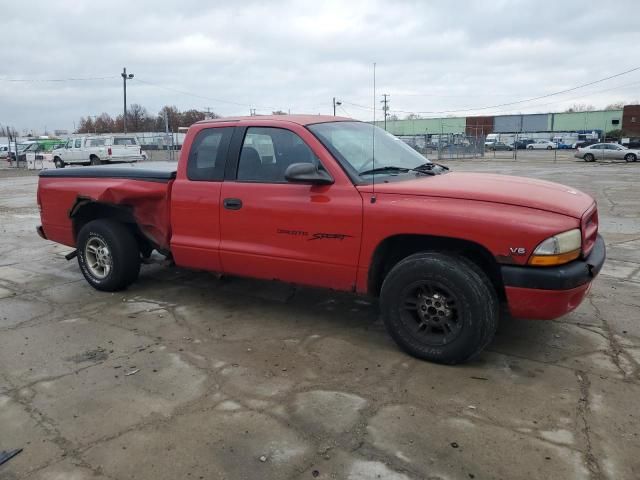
(98, 150)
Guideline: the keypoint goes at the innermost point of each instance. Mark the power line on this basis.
(195, 95)
(489, 107)
(72, 79)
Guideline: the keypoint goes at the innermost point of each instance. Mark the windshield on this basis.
(352, 144)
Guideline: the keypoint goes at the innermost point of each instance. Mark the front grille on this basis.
(589, 230)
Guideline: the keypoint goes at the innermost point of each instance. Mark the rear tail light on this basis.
(109, 151)
(140, 150)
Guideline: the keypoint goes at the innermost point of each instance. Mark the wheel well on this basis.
(93, 155)
(85, 211)
(393, 249)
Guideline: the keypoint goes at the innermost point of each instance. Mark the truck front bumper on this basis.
(546, 293)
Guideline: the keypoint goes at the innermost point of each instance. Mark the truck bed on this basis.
(144, 190)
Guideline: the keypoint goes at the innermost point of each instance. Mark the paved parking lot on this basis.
(186, 376)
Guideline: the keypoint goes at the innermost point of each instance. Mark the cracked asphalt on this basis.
(190, 376)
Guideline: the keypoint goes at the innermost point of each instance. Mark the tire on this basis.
(529, 148)
(630, 157)
(452, 330)
(95, 161)
(589, 157)
(122, 255)
(549, 148)
(58, 162)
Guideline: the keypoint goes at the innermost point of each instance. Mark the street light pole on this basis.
(125, 77)
(338, 103)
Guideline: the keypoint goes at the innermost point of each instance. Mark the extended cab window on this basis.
(208, 154)
(267, 152)
(78, 142)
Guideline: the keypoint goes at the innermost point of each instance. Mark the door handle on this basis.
(232, 203)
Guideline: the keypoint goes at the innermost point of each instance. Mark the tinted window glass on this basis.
(267, 152)
(78, 142)
(208, 154)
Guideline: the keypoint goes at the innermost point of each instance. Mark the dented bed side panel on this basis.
(148, 201)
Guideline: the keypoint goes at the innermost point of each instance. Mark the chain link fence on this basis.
(446, 145)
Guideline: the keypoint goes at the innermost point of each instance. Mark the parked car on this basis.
(4, 152)
(607, 151)
(499, 146)
(21, 156)
(584, 143)
(307, 211)
(522, 144)
(98, 150)
(541, 145)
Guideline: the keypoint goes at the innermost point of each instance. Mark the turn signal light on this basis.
(550, 260)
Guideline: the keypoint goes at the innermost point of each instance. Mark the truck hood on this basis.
(510, 190)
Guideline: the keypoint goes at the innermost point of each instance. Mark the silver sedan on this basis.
(607, 151)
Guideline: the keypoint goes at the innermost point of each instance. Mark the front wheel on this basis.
(58, 162)
(549, 147)
(108, 255)
(439, 307)
(529, 148)
(630, 157)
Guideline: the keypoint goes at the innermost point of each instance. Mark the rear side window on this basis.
(208, 154)
(125, 141)
(95, 142)
(78, 142)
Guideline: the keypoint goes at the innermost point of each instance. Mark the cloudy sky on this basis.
(455, 56)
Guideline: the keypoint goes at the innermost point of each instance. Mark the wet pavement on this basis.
(188, 376)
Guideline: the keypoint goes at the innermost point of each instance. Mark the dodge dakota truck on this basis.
(335, 203)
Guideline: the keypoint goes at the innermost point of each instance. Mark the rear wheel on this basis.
(439, 307)
(529, 148)
(630, 157)
(108, 255)
(589, 157)
(95, 160)
(58, 162)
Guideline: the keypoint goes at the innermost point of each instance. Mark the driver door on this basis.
(273, 229)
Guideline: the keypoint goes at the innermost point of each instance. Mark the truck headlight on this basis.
(559, 249)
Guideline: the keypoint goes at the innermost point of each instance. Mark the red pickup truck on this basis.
(336, 203)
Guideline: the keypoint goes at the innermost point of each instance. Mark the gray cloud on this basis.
(297, 55)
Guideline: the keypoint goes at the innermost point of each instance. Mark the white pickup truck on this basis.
(97, 150)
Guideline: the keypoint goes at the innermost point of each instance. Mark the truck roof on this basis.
(299, 119)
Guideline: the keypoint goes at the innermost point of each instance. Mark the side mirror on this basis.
(307, 173)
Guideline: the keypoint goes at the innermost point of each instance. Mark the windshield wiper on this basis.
(429, 166)
(393, 168)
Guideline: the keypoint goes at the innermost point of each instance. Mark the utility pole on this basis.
(125, 77)
(252, 112)
(385, 108)
(338, 103)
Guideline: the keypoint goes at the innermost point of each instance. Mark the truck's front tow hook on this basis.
(71, 255)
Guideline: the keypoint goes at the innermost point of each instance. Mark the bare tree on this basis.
(413, 116)
(190, 117)
(580, 107)
(615, 106)
(104, 123)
